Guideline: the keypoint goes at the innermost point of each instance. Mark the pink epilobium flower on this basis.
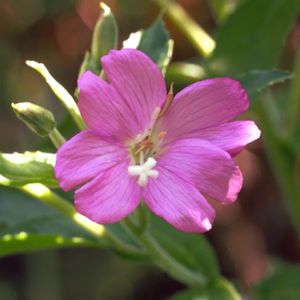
(141, 144)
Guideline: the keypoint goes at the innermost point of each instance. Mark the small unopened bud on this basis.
(105, 35)
(105, 38)
(38, 119)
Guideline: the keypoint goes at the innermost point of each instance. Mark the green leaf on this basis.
(219, 289)
(155, 42)
(192, 250)
(27, 167)
(27, 225)
(11, 244)
(253, 36)
(256, 81)
(282, 284)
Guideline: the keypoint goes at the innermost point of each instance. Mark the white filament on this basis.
(154, 116)
(143, 171)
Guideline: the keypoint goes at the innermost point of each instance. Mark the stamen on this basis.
(141, 158)
(162, 134)
(143, 142)
(146, 136)
(168, 100)
(143, 171)
(154, 116)
(146, 144)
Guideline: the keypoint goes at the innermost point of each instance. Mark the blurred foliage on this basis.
(216, 290)
(20, 213)
(283, 283)
(192, 250)
(252, 37)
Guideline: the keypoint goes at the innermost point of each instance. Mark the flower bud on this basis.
(105, 38)
(38, 119)
(105, 35)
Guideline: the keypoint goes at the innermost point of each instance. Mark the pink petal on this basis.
(109, 197)
(137, 80)
(203, 104)
(85, 156)
(178, 202)
(231, 137)
(103, 109)
(208, 167)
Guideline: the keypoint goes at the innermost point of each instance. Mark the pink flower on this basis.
(142, 144)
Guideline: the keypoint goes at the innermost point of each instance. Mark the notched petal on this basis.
(179, 203)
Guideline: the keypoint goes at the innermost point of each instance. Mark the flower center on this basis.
(142, 150)
(146, 145)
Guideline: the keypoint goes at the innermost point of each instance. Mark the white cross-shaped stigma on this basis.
(144, 171)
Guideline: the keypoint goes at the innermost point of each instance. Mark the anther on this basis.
(162, 134)
(154, 117)
(168, 100)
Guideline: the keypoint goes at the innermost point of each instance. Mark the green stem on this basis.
(283, 163)
(62, 94)
(184, 73)
(294, 99)
(229, 287)
(199, 38)
(143, 218)
(45, 195)
(56, 138)
(163, 259)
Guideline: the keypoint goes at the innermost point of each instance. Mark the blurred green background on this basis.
(58, 33)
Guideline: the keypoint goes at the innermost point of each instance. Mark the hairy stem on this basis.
(162, 258)
(56, 138)
(45, 195)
